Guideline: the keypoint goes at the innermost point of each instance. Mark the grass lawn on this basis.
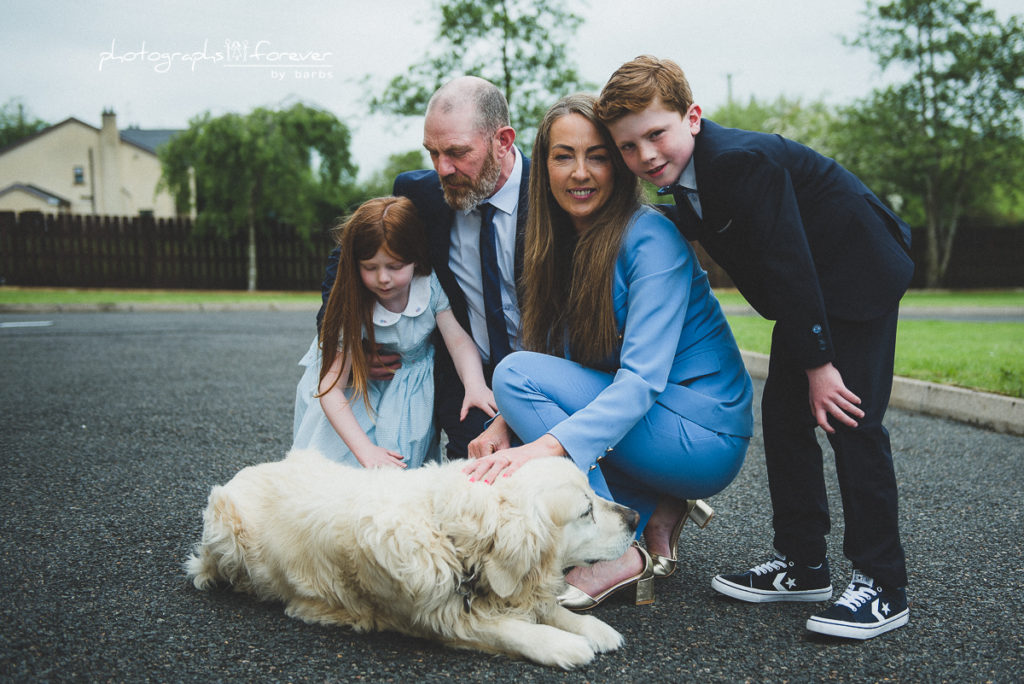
(966, 299)
(87, 296)
(985, 356)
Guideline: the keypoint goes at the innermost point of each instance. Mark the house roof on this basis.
(144, 139)
(149, 139)
(48, 197)
(48, 129)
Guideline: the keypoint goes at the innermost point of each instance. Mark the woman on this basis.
(633, 373)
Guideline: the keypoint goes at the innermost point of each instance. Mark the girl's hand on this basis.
(495, 437)
(379, 457)
(482, 398)
(507, 461)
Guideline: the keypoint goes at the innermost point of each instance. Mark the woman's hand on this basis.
(507, 461)
(829, 396)
(379, 457)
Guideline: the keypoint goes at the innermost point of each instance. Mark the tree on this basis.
(237, 171)
(811, 124)
(382, 182)
(519, 45)
(15, 124)
(948, 137)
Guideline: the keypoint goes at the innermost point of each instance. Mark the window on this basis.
(79, 173)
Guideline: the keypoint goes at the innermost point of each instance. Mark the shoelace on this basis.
(770, 566)
(856, 595)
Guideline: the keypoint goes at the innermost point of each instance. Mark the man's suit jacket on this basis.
(424, 189)
(802, 238)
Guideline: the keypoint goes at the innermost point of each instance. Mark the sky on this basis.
(159, 64)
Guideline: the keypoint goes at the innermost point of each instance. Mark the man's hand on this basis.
(495, 437)
(383, 363)
(829, 397)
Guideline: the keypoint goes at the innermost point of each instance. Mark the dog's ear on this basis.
(502, 579)
(507, 565)
(521, 541)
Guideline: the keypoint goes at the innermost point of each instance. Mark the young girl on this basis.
(384, 295)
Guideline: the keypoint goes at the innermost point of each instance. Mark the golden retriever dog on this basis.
(424, 552)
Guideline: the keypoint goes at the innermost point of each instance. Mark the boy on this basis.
(812, 248)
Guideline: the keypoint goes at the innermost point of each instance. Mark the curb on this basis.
(983, 409)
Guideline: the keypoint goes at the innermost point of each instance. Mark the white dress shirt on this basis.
(464, 259)
(688, 179)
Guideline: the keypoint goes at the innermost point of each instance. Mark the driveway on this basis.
(114, 426)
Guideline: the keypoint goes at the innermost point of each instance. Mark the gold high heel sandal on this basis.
(575, 598)
(700, 513)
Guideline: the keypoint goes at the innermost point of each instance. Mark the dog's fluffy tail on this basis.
(220, 555)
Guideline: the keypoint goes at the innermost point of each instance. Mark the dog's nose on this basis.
(631, 517)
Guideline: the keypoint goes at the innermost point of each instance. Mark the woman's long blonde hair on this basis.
(567, 278)
(385, 222)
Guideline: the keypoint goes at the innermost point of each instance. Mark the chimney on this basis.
(109, 122)
(110, 199)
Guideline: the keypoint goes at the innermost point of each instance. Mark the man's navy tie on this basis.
(495, 314)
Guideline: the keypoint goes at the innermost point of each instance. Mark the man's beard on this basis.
(469, 193)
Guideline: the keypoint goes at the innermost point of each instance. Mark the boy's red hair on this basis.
(638, 83)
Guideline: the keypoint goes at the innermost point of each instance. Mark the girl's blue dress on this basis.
(402, 415)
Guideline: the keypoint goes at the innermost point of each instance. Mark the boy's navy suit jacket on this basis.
(802, 238)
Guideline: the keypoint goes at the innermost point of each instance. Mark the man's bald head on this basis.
(488, 103)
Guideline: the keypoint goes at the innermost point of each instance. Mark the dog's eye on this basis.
(589, 512)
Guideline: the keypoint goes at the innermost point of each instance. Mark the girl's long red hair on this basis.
(389, 223)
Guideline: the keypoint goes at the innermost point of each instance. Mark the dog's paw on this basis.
(563, 650)
(602, 637)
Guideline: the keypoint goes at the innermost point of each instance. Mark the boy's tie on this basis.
(678, 191)
(496, 331)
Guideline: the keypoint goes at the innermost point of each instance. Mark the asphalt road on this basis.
(114, 426)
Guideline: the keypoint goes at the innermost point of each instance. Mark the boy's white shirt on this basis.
(688, 179)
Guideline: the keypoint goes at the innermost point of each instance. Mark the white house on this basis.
(77, 168)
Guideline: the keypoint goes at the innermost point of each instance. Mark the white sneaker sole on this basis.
(851, 630)
(751, 595)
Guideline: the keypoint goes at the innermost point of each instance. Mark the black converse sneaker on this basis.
(777, 580)
(865, 610)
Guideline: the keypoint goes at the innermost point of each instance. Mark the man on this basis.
(466, 131)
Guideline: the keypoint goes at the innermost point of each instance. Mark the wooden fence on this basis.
(983, 257)
(143, 252)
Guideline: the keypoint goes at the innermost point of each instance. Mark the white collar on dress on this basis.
(419, 300)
